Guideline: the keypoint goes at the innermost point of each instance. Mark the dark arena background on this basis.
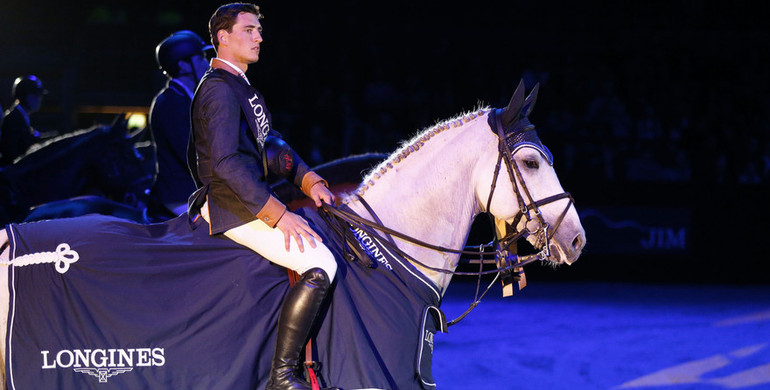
(657, 113)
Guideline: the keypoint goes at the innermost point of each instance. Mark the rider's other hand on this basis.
(292, 225)
(319, 193)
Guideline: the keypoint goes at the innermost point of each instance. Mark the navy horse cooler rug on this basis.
(99, 302)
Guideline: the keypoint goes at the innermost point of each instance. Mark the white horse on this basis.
(425, 196)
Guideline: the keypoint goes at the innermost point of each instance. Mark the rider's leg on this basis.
(303, 301)
(269, 242)
(298, 315)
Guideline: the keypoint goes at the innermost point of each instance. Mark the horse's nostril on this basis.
(577, 243)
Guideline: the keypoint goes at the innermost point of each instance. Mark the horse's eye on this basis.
(531, 164)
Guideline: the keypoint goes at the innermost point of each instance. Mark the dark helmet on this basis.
(27, 85)
(178, 46)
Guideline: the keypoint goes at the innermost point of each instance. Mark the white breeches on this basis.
(269, 242)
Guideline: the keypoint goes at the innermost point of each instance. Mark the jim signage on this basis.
(637, 230)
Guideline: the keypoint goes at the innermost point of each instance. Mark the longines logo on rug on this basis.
(369, 245)
(104, 363)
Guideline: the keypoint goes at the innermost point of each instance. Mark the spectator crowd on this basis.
(663, 92)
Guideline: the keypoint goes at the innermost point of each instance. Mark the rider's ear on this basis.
(511, 113)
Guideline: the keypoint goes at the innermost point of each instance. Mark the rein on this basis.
(506, 262)
(371, 228)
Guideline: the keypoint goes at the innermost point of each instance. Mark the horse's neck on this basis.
(429, 195)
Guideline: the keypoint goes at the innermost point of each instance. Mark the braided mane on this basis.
(413, 145)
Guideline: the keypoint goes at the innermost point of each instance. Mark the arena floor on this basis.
(585, 335)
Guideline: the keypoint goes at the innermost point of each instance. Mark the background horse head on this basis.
(491, 161)
(101, 160)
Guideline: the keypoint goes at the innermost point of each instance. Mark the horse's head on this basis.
(526, 198)
(101, 160)
(122, 169)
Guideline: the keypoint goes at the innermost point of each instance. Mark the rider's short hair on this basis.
(224, 18)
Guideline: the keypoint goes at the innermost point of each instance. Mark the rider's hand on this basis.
(319, 193)
(292, 225)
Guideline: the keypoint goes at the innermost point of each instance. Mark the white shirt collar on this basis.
(237, 69)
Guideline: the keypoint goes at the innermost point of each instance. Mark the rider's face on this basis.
(33, 102)
(241, 46)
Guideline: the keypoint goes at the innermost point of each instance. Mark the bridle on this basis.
(520, 134)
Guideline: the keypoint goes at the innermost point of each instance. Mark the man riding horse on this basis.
(230, 124)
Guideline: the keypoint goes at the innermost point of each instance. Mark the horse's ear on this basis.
(511, 113)
(529, 102)
(119, 124)
(120, 120)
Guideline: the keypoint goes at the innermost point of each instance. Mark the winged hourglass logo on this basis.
(103, 373)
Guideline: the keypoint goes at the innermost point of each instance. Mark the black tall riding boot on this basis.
(298, 314)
